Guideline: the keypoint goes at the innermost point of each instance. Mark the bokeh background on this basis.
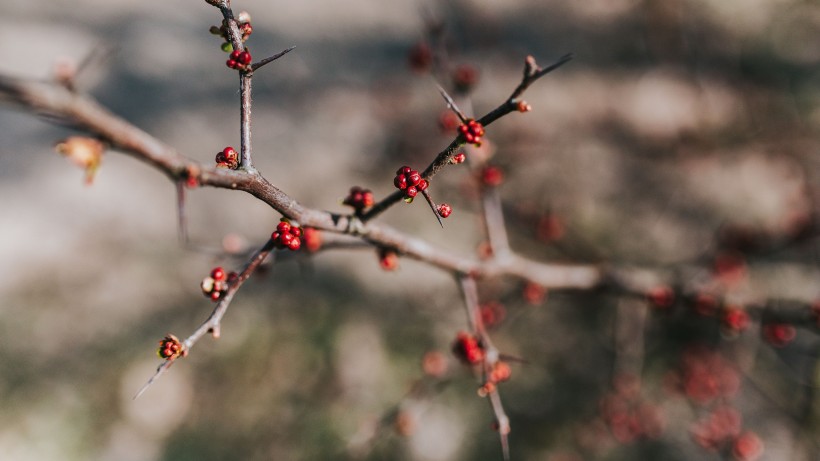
(675, 120)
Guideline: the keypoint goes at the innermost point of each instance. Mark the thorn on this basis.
(272, 58)
(432, 207)
(451, 104)
(160, 370)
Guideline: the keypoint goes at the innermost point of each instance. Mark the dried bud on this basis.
(83, 152)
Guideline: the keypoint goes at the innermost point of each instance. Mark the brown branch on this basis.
(531, 73)
(213, 322)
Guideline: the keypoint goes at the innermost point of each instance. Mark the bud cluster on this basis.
(216, 284)
(409, 181)
(170, 348)
(471, 131)
(287, 236)
(227, 158)
(359, 198)
(243, 21)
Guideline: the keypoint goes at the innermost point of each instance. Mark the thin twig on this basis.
(212, 323)
(278, 55)
(245, 79)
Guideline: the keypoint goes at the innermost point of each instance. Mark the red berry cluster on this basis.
(243, 21)
(216, 284)
(409, 181)
(170, 348)
(499, 373)
(471, 131)
(705, 376)
(227, 158)
(458, 158)
(629, 416)
(444, 210)
(287, 236)
(492, 176)
(239, 60)
(722, 429)
(359, 198)
(468, 348)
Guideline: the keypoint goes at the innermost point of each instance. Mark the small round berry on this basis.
(218, 274)
(231, 63)
(230, 154)
(285, 239)
(444, 210)
(388, 259)
(422, 185)
(492, 176)
(235, 55)
(296, 231)
(294, 244)
(465, 77)
(244, 58)
(411, 192)
(501, 372)
(459, 158)
(420, 57)
(413, 178)
(400, 182)
(283, 227)
(313, 239)
(404, 170)
(661, 297)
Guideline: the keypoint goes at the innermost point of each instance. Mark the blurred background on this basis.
(680, 129)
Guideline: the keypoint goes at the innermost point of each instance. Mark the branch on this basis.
(212, 323)
(531, 73)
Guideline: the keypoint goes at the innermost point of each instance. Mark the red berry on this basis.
(296, 231)
(459, 158)
(422, 185)
(404, 170)
(661, 297)
(388, 259)
(413, 178)
(285, 239)
(230, 154)
(400, 182)
(468, 349)
(779, 334)
(232, 64)
(294, 244)
(492, 176)
(411, 192)
(235, 55)
(244, 58)
(218, 274)
(465, 77)
(735, 319)
(444, 210)
(747, 447)
(283, 227)
(420, 57)
(313, 239)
